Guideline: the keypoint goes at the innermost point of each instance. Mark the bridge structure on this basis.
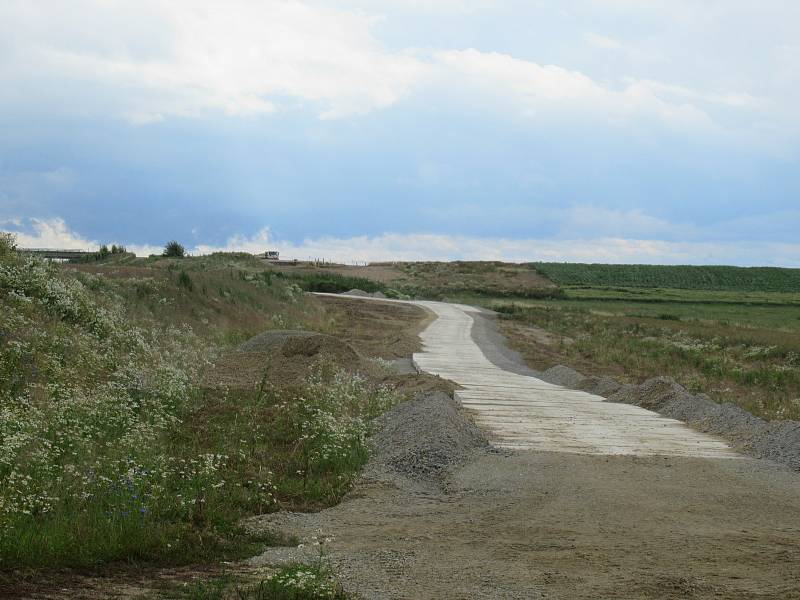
(57, 253)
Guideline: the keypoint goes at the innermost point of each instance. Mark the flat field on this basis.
(736, 279)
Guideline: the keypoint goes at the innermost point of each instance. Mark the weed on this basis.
(185, 281)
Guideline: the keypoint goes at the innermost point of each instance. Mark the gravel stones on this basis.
(264, 342)
(424, 438)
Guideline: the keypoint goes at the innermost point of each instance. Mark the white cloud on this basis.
(54, 233)
(605, 42)
(154, 60)
(49, 233)
(187, 57)
(535, 88)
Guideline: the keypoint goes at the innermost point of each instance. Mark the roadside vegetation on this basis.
(115, 447)
(294, 582)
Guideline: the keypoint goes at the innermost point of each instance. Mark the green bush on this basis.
(174, 250)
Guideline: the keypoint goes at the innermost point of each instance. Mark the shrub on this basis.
(174, 250)
(8, 243)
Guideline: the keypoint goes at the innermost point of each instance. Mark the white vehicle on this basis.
(272, 255)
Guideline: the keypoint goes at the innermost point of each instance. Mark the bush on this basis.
(174, 250)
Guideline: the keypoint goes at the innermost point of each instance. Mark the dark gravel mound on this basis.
(561, 375)
(778, 440)
(264, 342)
(317, 345)
(425, 437)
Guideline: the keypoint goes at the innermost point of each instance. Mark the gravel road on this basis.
(440, 513)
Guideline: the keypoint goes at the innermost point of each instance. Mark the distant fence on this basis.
(60, 253)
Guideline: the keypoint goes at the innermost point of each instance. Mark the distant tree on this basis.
(174, 249)
(104, 252)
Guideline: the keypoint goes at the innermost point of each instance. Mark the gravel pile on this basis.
(778, 440)
(269, 340)
(424, 438)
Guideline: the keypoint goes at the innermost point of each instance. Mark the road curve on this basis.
(523, 412)
(526, 413)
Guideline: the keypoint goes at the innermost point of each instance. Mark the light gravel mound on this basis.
(424, 438)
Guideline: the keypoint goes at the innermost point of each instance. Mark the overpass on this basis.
(60, 253)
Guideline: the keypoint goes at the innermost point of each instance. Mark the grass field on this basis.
(736, 279)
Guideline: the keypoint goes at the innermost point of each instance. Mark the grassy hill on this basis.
(132, 430)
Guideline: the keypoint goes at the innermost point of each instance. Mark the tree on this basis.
(103, 252)
(174, 249)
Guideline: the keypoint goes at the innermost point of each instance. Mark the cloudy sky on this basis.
(593, 130)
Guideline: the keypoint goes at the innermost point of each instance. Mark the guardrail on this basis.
(62, 253)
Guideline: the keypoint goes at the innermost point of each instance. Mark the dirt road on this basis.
(555, 524)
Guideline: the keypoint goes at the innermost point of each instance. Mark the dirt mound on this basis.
(357, 292)
(264, 342)
(778, 441)
(424, 438)
(284, 357)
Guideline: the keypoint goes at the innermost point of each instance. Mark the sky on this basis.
(633, 131)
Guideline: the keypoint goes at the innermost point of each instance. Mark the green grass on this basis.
(743, 316)
(671, 295)
(737, 279)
